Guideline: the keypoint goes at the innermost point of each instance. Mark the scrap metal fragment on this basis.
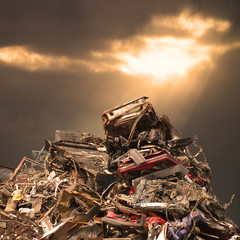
(3, 224)
(11, 205)
(120, 223)
(46, 224)
(162, 173)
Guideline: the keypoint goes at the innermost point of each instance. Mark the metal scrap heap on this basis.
(140, 182)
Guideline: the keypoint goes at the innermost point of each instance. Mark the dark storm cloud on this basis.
(225, 10)
(58, 27)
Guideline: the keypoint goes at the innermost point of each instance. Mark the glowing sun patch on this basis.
(164, 56)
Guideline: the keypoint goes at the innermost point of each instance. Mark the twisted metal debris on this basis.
(141, 182)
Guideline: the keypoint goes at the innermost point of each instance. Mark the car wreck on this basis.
(142, 181)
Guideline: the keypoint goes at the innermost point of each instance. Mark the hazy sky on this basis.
(62, 63)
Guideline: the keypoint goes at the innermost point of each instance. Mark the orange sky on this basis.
(150, 53)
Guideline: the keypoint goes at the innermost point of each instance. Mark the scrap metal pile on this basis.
(140, 182)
